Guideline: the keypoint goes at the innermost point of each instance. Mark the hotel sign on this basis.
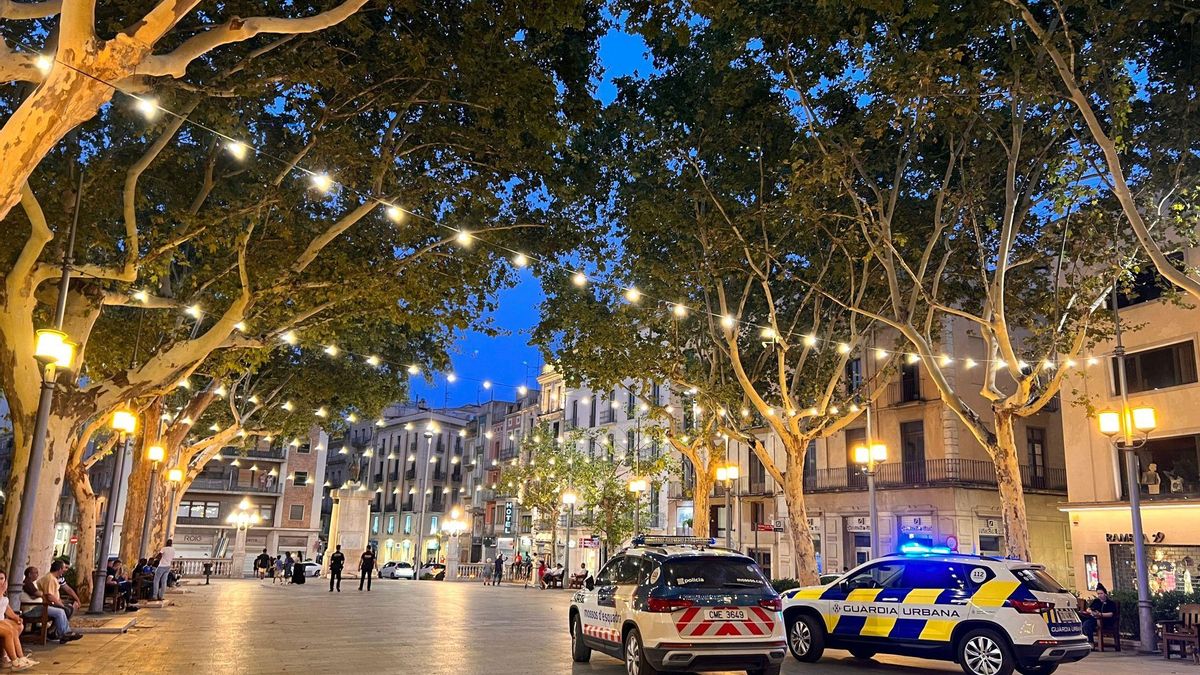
(508, 517)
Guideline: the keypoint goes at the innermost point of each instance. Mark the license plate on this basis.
(724, 615)
(1061, 616)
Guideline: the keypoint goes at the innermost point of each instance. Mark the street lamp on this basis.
(155, 454)
(175, 478)
(637, 486)
(419, 552)
(869, 456)
(568, 499)
(727, 474)
(124, 422)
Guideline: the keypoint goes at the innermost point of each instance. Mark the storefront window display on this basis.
(1170, 468)
(1172, 568)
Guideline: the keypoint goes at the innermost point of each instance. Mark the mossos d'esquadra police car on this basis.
(990, 615)
(677, 604)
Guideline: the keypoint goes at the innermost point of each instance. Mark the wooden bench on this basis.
(1183, 633)
(1113, 632)
(578, 579)
(37, 621)
(113, 597)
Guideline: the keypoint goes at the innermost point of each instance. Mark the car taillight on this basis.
(1029, 606)
(773, 604)
(667, 604)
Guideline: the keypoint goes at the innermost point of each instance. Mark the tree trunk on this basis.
(701, 493)
(65, 100)
(137, 490)
(1012, 494)
(793, 495)
(87, 514)
(61, 435)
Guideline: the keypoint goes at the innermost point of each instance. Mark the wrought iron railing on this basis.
(967, 472)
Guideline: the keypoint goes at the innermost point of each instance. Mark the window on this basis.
(1038, 580)
(696, 573)
(1147, 284)
(391, 528)
(912, 451)
(1168, 468)
(910, 382)
(758, 474)
(933, 574)
(854, 376)
(883, 575)
(575, 413)
(606, 574)
(1158, 368)
(301, 478)
(374, 522)
(304, 449)
(297, 513)
(630, 443)
(627, 573)
(854, 474)
(592, 412)
(758, 513)
(433, 525)
(630, 405)
(1035, 438)
(408, 524)
(266, 512)
(204, 510)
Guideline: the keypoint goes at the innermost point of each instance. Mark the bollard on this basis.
(208, 566)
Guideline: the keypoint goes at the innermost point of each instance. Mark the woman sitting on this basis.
(11, 626)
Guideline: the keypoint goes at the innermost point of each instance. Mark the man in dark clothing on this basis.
(499, 568)
(1103, 611)
(336, 562)
(261, 564)
(366, 568)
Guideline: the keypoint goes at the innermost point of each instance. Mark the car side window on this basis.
(628, 571)
(883, 575)
(607, 573)
(934, 574)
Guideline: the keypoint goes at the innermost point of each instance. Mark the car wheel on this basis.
(860, 653)
(635, 655)
(806, 638)
(580, 652)
(985, 652)
(1038, 669)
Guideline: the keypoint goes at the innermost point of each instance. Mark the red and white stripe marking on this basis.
(758, 623)
(602, 633)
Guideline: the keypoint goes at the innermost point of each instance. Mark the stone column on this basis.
(349, 524)
(237, 561)
(452, 558)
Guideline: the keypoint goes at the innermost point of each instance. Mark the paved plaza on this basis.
(403, 627)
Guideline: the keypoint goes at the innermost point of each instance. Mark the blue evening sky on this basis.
(508, 359)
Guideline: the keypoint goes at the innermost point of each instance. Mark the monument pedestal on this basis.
(237, 560)
(349, 525)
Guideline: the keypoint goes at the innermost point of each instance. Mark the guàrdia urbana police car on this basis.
(990, 615)
(676, 604)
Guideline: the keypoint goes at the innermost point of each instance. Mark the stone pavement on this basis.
(431, 628)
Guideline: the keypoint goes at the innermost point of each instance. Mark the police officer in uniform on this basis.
(336, 562)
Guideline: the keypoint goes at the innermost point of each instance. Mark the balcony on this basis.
(410, 473)
(437, 505)
(271, 453)
(933, 472)
(456, 476)
(230, 484)
(377, 478)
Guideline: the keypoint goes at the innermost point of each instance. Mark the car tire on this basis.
(580, 652)
(1038, 669)
(768, 670)
(806, 638)
(636, 662)
(860, 653)
(985, 652)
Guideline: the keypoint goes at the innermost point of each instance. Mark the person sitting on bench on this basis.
(1103, 611)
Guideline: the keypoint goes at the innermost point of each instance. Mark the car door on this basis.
(864, 606)
(628, 575)
(933, 598)
(598, 607)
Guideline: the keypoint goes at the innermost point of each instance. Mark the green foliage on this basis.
(781, 585)
(1165, 607)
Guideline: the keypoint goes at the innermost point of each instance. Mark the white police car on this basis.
(990, 615)
(674, 603)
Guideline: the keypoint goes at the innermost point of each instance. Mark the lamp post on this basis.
(155, 454)
(55, 352)
(637, 486)
(241, 519)
(568, 499)
(124, 422)
(1124, 424)
(727, 474)
(419, 553)
(175, 478)
(869, 456)
(453, 528)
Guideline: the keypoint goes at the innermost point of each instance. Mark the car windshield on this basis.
(1038, 580)
(404, 565)
(713, 572)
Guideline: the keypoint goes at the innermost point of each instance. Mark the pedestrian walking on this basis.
(541, 574)
(499, 571)
(166, 556)
(336, 562)
(288, 562)
(277, 570)
(261, 564)
(487, 572)
(366, 568)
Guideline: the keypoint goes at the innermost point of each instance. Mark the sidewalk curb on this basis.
(113, 627)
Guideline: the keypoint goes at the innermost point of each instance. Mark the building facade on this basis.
(1161, 353)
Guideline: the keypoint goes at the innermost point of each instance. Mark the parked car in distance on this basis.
(435, 570)
(311, 568)
(397, 570)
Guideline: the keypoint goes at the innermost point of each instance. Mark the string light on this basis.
(373, 361)
(414, 369)
(332, 350)
(881, 354)
(843, 348)
(238, 149)
(194, 311)
(240, 326)
(43, 63)
(520, 260)
(911, 359)
(141, 296)
(321, 182)
(944, 360)
(579, 279)
(394, 213)
(810, 340)
(463, 238)
(632, 294)
(970, 363)
(679, 310)
(289, 337)
(728, 321)
(287, 405)
(451, 378)
(768, 333)
(148, 107)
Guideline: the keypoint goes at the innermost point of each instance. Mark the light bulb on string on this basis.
(373, 361)
(810, 340)
(414, 369)
(881, 354)
(289, 337)
(679, 310)
(944, 360)
(240, 326)
(321, 182)
(43, 63)
(194, 311)
(451, 378)
(520, 260)
(632, 294)
(970, 363)
(394, 213)
(728, 321)
(579, 279)
(463, 238)
(238, 149)
(487, 384)
(910, 359)
(148, 107)
(332, 350)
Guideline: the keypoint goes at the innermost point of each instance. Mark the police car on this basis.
(990, 615)
(677, 603)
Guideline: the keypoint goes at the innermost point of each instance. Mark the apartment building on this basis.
(1161, 354)
(281, 479)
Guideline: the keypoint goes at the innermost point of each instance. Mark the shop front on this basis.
(1102, 539)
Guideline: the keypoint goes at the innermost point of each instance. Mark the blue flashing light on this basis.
(914, 548)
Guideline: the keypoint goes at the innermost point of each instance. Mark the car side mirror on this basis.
(844, 586)
(590, 583)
